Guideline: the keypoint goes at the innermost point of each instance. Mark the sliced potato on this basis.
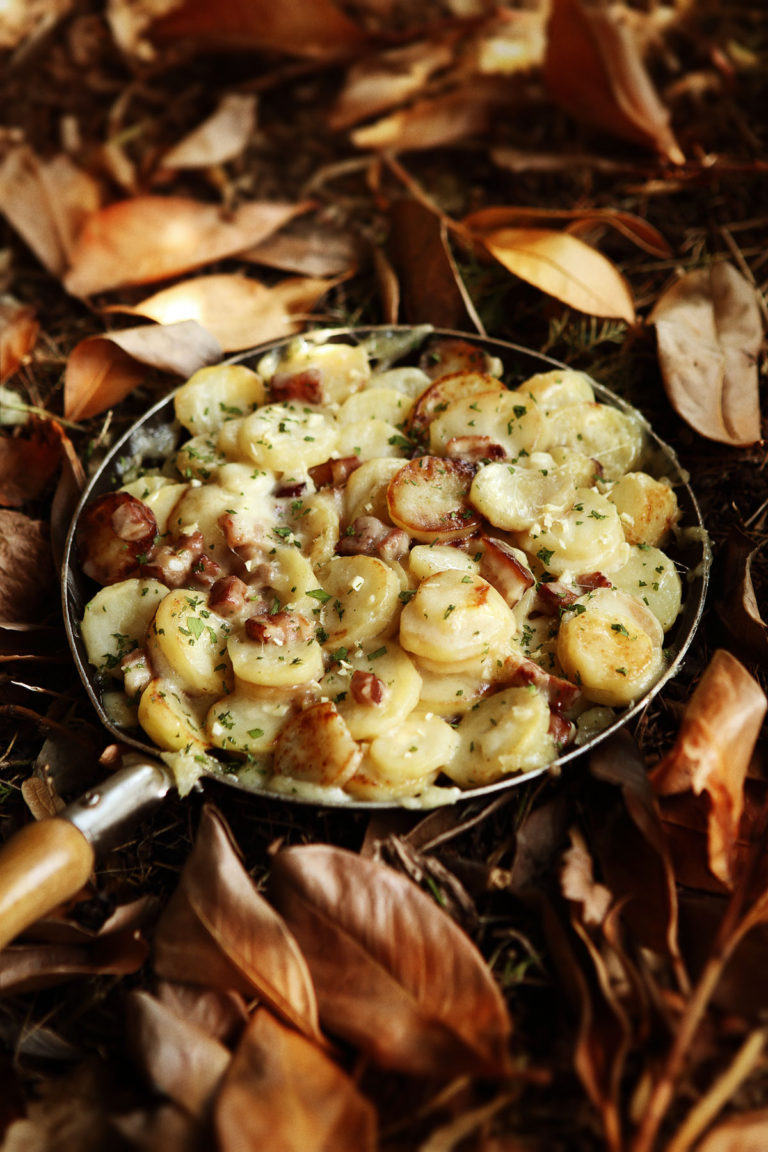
(170, 717)
(316, 745)
(315, 523)
(378, 403)
(238, 723)
(507, 732)
(115, 621)
(504, 417)
(453, 617)
(274, 665)
(397, 691)
(366, 489)
(214, 395)
(341, 368)
(198, 458)
(588, 537)
(647, 508)
(615, 439)
(558, 389)
(370, 439)
(611, 645)
(286, 437)
(410, 757)
(427, 559)
(410, 381)
(188, 641)
(428, 499)
(512, 497)
(445, 390)
(363, 599)
(649, 575)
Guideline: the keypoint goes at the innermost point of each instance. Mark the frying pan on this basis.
(48, 861)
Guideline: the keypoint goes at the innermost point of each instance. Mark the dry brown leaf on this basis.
(73, 195)
(177, 1058)
(744, 1132)
(578, 883)
(18, 336)
(28, 461)
(712, 752)
(24, 548)
(440, 120)
(376, 84)
(149, 238)
(27, 967)
(737, 606)
(709, 332)
(238, 311)
(222, 137)
(221, 1015)
(218, 931)
(102, 370)
(639, 231)
(594, 70)
(313, 28)
(431, 288)
(282, 1092)
(318, 250)
(24, 202)
(394, 975)
(563, 267)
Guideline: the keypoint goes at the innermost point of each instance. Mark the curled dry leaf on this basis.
(564, 267)
(28, 461)
(102, 370)
(317, 250)
(394, 975)
(709, 332)
(222, 137)
(149, 238)
(314, 28)
(578, 883)
(18, 336)
(737, 607)
(218, 931)
(221, 1015)
(634, 228)
(27, 967)
(431, 287)
(281, 1091)
(744, 1132)
(238, 311)
(438, 121)
(593, 68)
(712, 752)
(177, 1058)
(24, 548)
(374, 85)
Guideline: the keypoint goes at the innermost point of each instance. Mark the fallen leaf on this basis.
(712, 752)
(222, 137)
(282, 1092)
(102, 370)
(238, 311)
(431, 288)
(634, 228)
(594, 70)
(18, 336)
(24, 202)
(221, 1015)
(441, 120)
(376, 84)
(578, 883)
(563, 267)
(28, 461)
(19, 22)
(313, 28)
(24, 548)
(393, 974)
(709, 332)
(218, 931)
(317, 250)
(745, 1132)
(150, 238)
(177, 1058)
(24, 968)
(737, 606)
(70, 485)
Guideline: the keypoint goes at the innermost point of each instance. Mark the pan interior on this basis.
(156, 434)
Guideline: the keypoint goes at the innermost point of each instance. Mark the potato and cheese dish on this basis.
(378, 581)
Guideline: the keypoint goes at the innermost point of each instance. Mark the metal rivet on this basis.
(92, 799)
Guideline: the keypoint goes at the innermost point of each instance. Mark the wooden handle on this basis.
(41, 866)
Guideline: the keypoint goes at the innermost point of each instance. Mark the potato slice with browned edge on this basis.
(428, 499)
(453, 617)
(507, 732)
(316, 746)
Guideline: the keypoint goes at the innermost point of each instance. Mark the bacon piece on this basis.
(475, 448)
(553, 596)
(227, 595)
(306, 386)
(334, 472)
(591, 580)
(291, 489)
(369, 536)
(561, 694)
(500, 566)
(561, 730)
(366, 687)
(279, 629)
(183, 563)
(115, 535)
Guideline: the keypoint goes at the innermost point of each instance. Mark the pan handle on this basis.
(49, 861)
